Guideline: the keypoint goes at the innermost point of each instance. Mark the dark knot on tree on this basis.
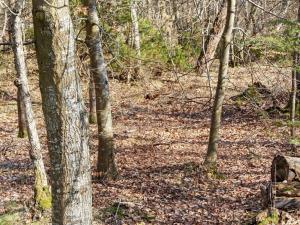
(17, 82)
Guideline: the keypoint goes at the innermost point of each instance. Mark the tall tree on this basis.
(41, 189)
(211, 157)
(295, 107)
(210, 45)
(136, 35)
(106, 163)
(64, 112)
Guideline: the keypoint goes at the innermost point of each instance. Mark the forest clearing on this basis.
(148, 152)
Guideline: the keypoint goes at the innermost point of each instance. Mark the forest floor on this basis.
(160, 147)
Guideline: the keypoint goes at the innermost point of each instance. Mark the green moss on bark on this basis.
(22, 134)
(42, 192)
(92, 119)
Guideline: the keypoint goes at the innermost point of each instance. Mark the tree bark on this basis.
(136, 36)
(21, 116)
(41, 189)
(106, 164)
(284, 9)
(64, 112)
(4, 24)
(92, 99)
(211, 157)
(294, 103)
(208, 51)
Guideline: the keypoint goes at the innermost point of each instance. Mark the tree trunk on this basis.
(136, 36)
(4, 24)
(41, 189)
(285, 168)
(92, 99)
(106, 164)
(64, 112)
(211, 157)
(208, 51)
(284, 10)
(21, 116)
(294, 103)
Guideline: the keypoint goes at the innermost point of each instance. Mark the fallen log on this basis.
(288, 189)
(285, 168)
(287, 204)
(282, 196)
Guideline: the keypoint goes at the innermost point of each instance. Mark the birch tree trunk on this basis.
(136, 36)
(208, 51)
(211, 157)
(106, 164)
(64, 112)
(41, 189)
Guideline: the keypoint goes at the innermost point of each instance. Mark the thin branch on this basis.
(265, 10)
(9, 9)
(25, 43)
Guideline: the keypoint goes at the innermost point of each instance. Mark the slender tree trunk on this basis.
(41, 189)
(211, 157)
(284, 9)
(21, 116)
(207, 53)
(92, 99)
(297, 63)
(295, 107)
(4, 24)
(106, 164)
(136, 36)
(64, 112)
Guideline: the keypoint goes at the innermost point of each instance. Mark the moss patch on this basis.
(9, 219)
(268, 217)
(43, 197)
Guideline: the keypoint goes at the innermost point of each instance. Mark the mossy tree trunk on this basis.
(64, 112)
(41, 189)
(211, 157)
(211, 43)
(106, 164)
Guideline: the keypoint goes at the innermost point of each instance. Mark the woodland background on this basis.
(162, 98)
